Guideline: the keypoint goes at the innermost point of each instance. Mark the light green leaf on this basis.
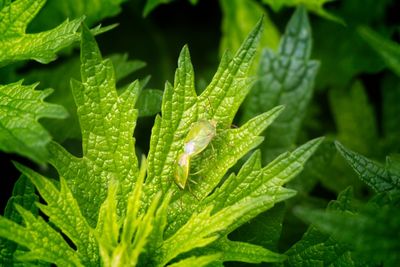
(315, 6)
(387, 49)
(245, 252)
(284, 78)
(380, 178)
(102, 200)
(21, 106)
(59, 77)
(107, 122)
(239, 17)
(40, 238)
(17, 45)
(63, 210)
(181, 107)
(196, 261)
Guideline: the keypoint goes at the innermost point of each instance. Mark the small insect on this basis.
(199, 136)
(182, 170)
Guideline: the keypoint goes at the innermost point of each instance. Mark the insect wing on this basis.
(199, 136)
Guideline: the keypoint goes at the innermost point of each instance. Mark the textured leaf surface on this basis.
(59, 77)
(102, 201)
(21, 106)
(319, 249)
(17, 45)
(380, 178)
(372, 233)
(284, 78)
(387, 49)
(107, 122)
(63, 210)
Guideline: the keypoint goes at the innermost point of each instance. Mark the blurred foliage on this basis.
(336, 71)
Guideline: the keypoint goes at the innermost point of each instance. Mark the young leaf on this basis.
(181, 107)
(380, 178)
(107, 122)
(102, 201)
(18, 45)
(21, 106)
(286, 78)
(63, 211)
(387, 49)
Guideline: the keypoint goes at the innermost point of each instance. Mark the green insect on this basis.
(199, 136)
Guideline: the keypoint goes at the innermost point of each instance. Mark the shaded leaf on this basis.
(18, 45)
(380, 178)
(21, 106)
(284, 78)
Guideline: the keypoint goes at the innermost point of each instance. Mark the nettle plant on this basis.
(108, 209)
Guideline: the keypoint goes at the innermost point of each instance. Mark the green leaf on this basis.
(21, 106)
(238, 19)
(109, 216)
(93, 10)
(380, 178)
(152, 4)
(284, 78)
(264, 230)
(319, 249)
(149, 102)
(42, 240)
(352, 56)
(352, 105)
(181, 107)
(59, 77)
(315, 6)
(23, 195)
(387, 49)
(107, 122)
(390, 109)
(123, 241)
(18, 45)
(197, 261)
(219, 101)
(63, 211)
(372, 233)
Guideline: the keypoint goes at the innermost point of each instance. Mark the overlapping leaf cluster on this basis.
(117, 214)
